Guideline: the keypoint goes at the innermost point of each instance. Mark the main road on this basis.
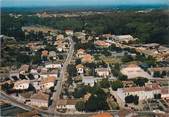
(58, 87)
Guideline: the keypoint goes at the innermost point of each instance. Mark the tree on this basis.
(122, 77)
(136, 100)
(80, 106)
(129, 99)
(116, 84)
(96, 103)
(72, 71)
(157, 96)
(80, 92)
(105, 83)
(127, 58)
(132, 99)
(78, 61)
(163, 74)
(140, 81)
(156, 74)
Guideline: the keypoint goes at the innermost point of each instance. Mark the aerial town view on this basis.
(84, 58)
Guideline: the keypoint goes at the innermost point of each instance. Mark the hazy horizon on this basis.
(57, 3)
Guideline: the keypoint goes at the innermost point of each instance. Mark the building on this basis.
(45, 53)
(134, 71)
(165, 93)
(53, 65)
(103, 114)
(87, 58)
(24, 69)
(144, 93)
(52, 54)
(60, 36)
(102, 44)
(69, 32)
(102, 72)
(80, 68)
(68, 104)
(161, 70)
(71, 104)
(48, 82)
(21, 85)
(39, 99)
(80, 53)
(124, 39)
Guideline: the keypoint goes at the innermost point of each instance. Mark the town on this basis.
(66, 71)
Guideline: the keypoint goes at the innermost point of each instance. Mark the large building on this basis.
(134, 71)
(144, 93)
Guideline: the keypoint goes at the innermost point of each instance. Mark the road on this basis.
(58, 87)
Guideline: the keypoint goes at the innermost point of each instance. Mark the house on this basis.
(69, 32)
(79, 35)
(21, 84)
(71, 104)
(102, 72)
(103, 114)
(102, 43)
(60, 36)
(165, 93)
(66, 104)
(134, 71)
(61, 104)
(48, 82)
(45, 53)
(53, 65)
(161, 70)
(52, 54)
(144, 93)
(24, 69)
(80, 68)
(107, 36)
(124, 38)
(39, 99)
(87, 58)
(89, 80)
(80, 53)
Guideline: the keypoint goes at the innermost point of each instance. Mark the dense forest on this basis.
(148, 27)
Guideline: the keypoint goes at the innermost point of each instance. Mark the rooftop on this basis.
(40, 95)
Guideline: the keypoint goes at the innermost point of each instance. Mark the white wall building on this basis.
(102, 72)
(144, 93)
(21, 84)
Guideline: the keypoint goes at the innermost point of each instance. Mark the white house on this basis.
(144, 93)
(21, 84)
(134, 71)
(66, 104)
(69, 32)
(124, 38)
(39, 99)
(102, 72)
(53, 65)
(80, 68)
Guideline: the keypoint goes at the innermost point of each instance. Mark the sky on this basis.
(27, 3)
